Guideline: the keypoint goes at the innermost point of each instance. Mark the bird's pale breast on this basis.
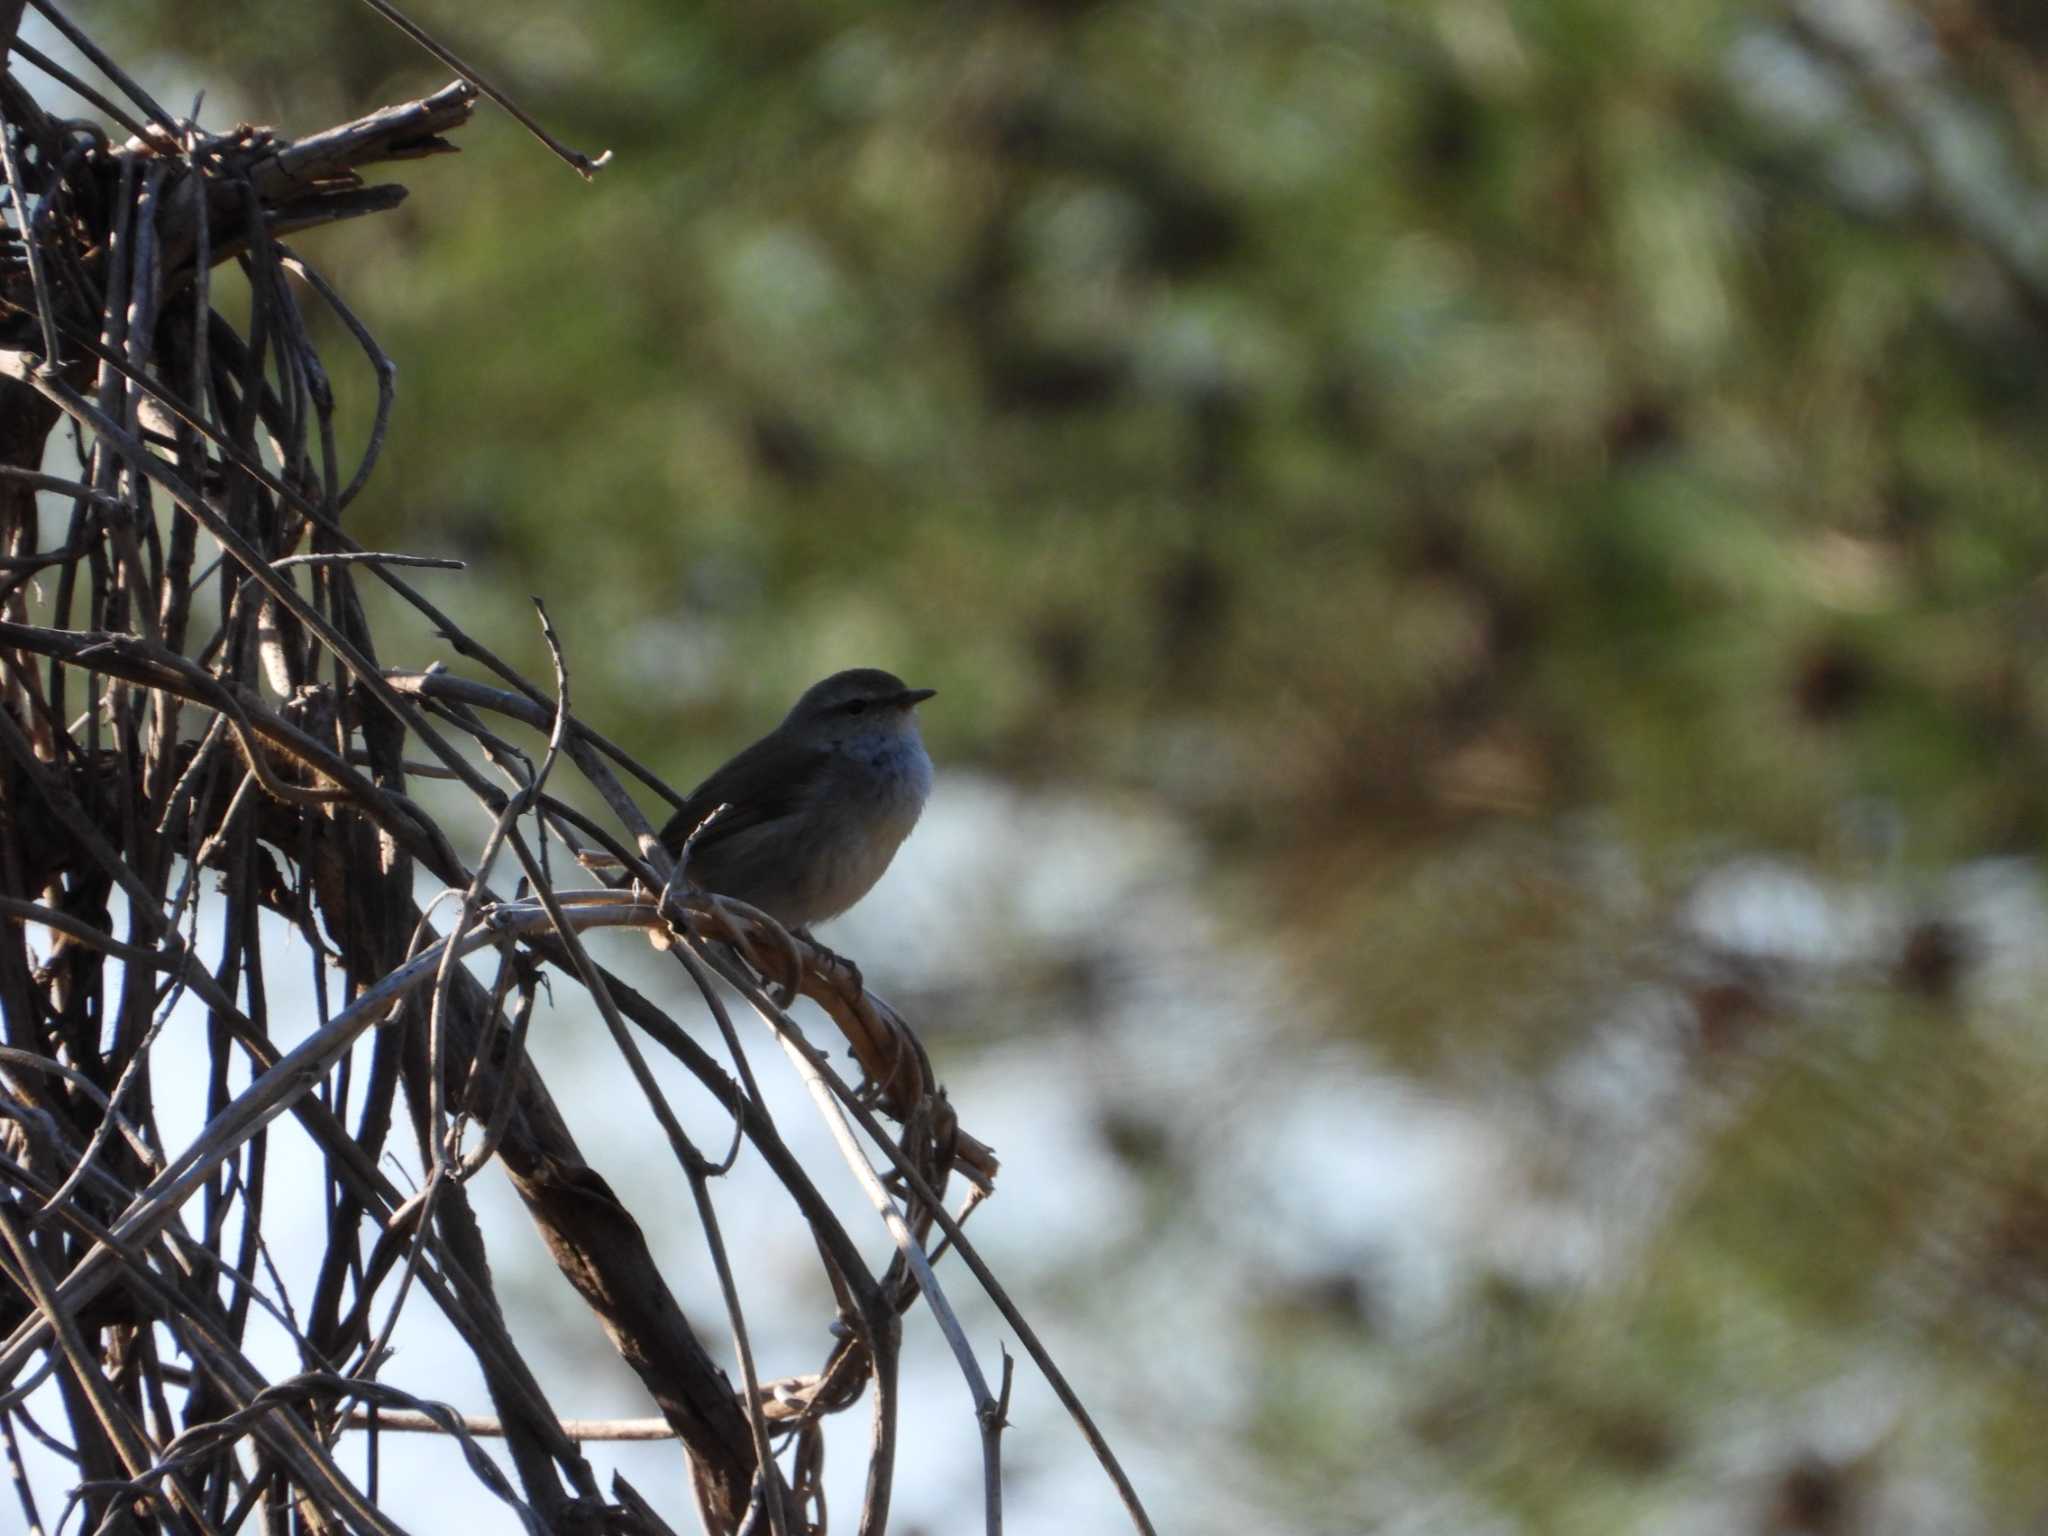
(888, 778)
(828, 848)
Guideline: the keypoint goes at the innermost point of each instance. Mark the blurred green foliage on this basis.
(1386, 435)
(1432, 410)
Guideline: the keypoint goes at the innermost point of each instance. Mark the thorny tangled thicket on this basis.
(195, 715)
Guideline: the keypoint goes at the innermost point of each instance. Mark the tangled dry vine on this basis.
(179, 739)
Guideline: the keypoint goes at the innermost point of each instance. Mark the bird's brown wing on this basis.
(768, 781)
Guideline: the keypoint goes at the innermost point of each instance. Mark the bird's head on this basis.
(863, 702)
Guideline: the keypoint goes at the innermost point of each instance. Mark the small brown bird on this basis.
(815, 810)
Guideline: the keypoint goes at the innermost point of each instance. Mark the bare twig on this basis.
(488, 1426)
(583, 164)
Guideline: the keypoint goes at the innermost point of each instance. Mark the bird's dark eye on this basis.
(855, 706)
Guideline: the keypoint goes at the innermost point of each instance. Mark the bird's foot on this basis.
(833, 957)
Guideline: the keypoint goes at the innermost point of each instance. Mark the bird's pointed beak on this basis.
(910, 696)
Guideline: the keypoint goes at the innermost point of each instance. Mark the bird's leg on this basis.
(786, 986)
(833, 956)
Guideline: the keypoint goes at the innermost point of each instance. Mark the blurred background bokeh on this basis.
(1482, 560)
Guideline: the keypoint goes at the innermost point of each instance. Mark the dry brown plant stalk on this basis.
(167, 726)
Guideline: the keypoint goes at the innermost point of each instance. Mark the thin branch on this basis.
(985, 1404)
(366, 556)
(583, 164)
(166, 125)
(488, 1426)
